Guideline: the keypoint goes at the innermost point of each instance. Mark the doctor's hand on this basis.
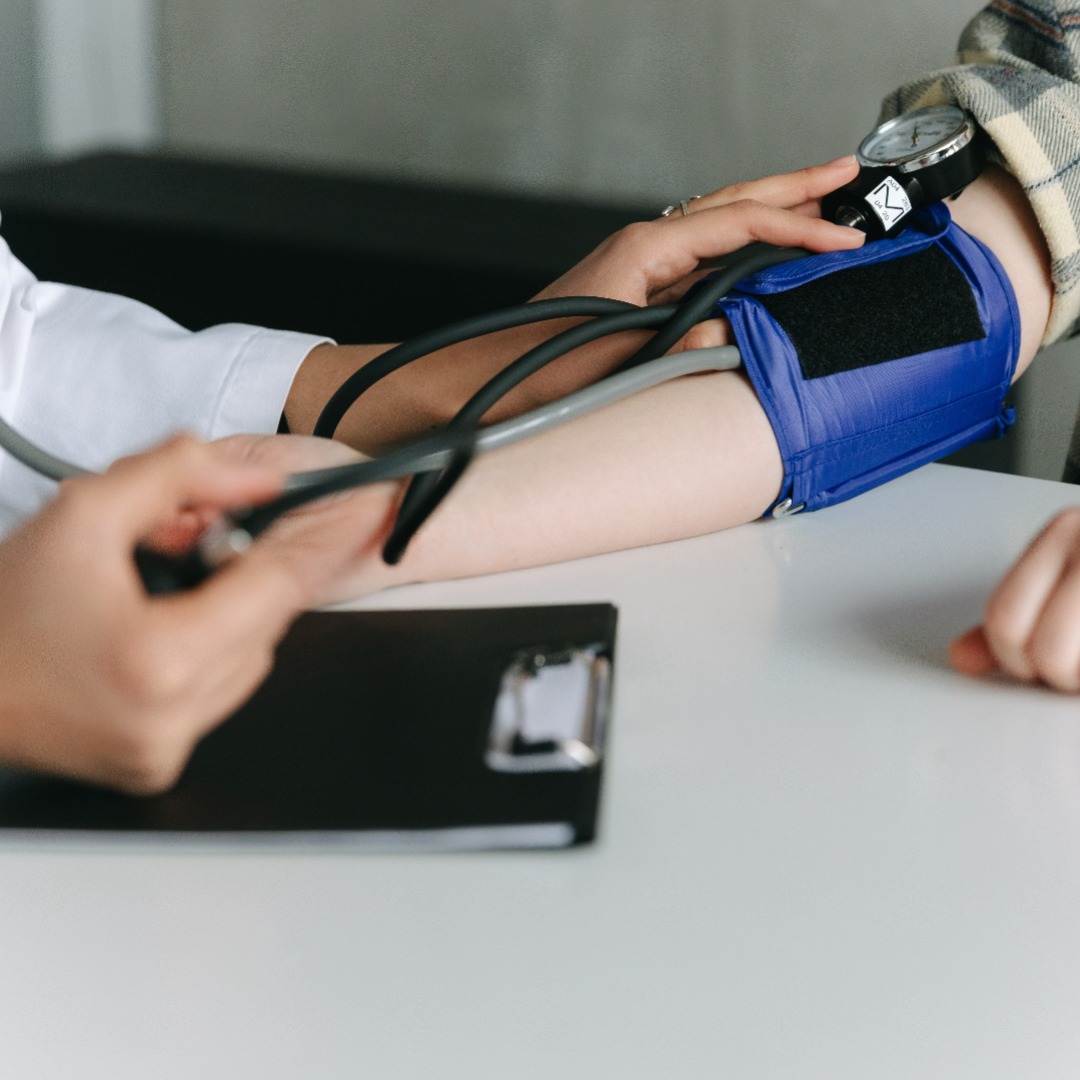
(1031, 627)
(332, 546)
(98, 680)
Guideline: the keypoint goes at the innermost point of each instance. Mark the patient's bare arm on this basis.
(690, 457)
(995, 210)
(686, 458)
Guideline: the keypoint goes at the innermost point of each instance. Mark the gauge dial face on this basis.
(912, 135)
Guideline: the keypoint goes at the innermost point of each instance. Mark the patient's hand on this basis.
(1031, 628)
(656, 262)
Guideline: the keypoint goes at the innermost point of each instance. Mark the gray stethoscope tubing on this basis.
(438, 451)
(608, 391)
(228, 537)
(34, 457)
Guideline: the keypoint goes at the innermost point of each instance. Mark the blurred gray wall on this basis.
(20, 131)
(624, 100)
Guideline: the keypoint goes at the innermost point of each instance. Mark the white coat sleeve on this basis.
(90, 377)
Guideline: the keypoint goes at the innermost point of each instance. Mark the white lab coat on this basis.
(90, 377)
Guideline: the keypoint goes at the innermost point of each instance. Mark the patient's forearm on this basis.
(686, 458)
(689, 457)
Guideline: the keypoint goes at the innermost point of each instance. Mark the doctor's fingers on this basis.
(146, 752)
(1030, 615)
(247, 603)
(204, 651)
(138, 493)
(802, 188)
(334, 545)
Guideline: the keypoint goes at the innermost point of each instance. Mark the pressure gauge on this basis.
(916, 158)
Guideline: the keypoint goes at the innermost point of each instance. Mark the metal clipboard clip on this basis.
(551, 712)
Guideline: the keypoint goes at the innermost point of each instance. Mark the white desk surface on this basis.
(822, 855)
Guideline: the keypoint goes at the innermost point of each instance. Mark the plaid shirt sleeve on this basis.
(1019, 75)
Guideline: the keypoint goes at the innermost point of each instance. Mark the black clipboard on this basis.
(386, 730)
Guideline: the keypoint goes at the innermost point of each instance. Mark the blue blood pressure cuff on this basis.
(870, 363)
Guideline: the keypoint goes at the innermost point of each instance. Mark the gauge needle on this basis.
(915, 137)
